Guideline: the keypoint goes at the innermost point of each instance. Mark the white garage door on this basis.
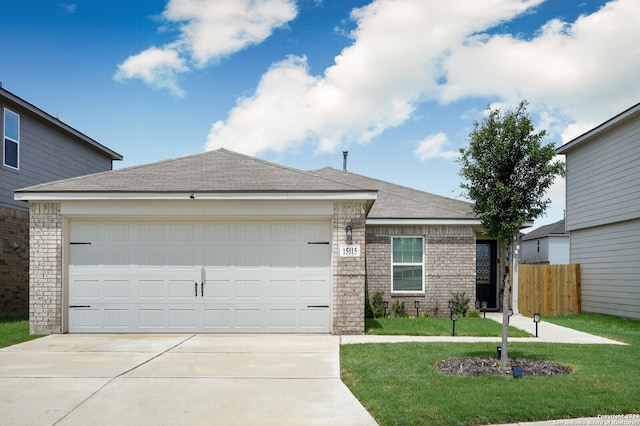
(199, 276)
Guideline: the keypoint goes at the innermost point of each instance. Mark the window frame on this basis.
(421, 264)
(6, 138)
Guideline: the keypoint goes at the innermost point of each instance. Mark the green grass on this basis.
(438, 327)
(398, 385)
(14, 328)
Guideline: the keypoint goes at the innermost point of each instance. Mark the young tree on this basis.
(507, 171)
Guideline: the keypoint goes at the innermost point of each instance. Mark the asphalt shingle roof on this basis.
(556, 228)
(223, 171)
(400, 202)
(216, 171)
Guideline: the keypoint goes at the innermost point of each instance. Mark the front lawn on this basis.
(14, 328)
(438, 326)
(398, 385)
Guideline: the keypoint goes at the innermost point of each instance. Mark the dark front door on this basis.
(486, 284)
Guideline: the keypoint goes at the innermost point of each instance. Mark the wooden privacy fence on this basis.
(550, 290)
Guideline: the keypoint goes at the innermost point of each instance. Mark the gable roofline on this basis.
(619, 118)
(556, 229)
(219, 174)
(49, 119)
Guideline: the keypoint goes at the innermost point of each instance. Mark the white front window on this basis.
(407, 264)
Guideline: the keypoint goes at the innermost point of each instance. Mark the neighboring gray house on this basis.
(36, 148)
(224, 242)
(603, 213)
(547, 244)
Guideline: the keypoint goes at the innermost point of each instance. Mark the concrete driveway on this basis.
(176, 380)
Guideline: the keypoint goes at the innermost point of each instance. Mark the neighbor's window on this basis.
(407, 264)
(11, 140)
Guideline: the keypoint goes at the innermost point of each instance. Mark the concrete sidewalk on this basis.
(107, 379)
(547, 333)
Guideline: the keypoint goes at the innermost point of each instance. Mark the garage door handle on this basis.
(79, 306)
(201, 289)
(317, 306)
(196, 285)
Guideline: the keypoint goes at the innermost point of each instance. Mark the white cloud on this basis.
(209, 30)
(405, 53)
(158, 68)
(376, 83)
(585, 71)
(432, 147)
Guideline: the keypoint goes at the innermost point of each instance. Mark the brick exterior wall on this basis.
(450, 265)
(14, 263)
(348, 272)
(45, 284)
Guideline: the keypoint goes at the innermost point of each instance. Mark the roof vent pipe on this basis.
(345, 154)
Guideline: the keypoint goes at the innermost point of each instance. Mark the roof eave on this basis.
(57, 123)
(186, 195)
(424, 221)
(624, 115)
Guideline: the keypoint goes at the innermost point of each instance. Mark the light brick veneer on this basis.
(450, 265)
(348, 272)
(45, 281)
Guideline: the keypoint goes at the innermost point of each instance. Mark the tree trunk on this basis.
(504, 354)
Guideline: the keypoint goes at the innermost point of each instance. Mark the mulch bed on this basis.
(490, 367)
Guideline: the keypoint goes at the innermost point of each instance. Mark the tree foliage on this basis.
(507, 171)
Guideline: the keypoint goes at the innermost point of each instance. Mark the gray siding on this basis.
(46, 154)
(610, 268)
(603, 176)
(559, 250)
(530, 253)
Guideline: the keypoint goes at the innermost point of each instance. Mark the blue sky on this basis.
(396, 83)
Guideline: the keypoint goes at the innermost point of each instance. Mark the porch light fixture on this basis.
(536, 319)
(417, 305)
(349, 233)
(517, 371)
(454, 318)
(15, 246)
(385, 305)
(483, 308)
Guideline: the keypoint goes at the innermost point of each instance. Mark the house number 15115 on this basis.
(350, 251)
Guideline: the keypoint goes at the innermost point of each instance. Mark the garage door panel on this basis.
(247, 289)
(314, 290)
(151, 289)
(152, 318)
(84, 289)
(116, 289)
(86, 319)
(247, 318)
(117, 318)
(200, 276)
(183, 290)
(114, 232)
(218, 318)
(314, 319)
(283, 318)
(220, 290)
(283, 290)
(182, 318)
